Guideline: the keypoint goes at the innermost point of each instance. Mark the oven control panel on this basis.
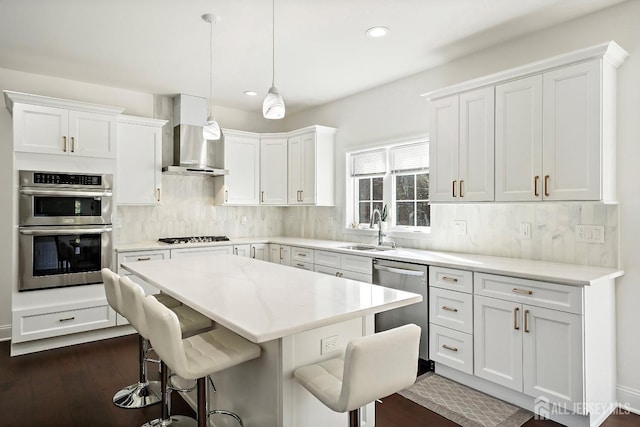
(66, 179)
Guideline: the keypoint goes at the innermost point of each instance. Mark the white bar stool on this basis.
(372, 367)
(196, 357)
(142, 393)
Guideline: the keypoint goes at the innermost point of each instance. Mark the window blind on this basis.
(369, 163)
(410, 157)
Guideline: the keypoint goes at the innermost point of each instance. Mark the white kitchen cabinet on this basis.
(451, 318)
(201, 251)
(139, 163)
(344, 265)
(311, 166)
(553, 141)
(280, 254)
(56, 126)
(273, 169)
(240, 155)
(255, 250)
(461, 148)
(534, 350)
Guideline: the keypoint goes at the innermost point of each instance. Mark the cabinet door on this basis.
(308, 194)
(273, 171)
(260, 251)
(242, 250)
(572, 164)
(443, 150)
(518, 140)
(242, 159)
(476, 149)
(139, 164)
(39, 129)
(211, 250)
(295, 168)
(497, 345)
(92, 134)
(552, 355)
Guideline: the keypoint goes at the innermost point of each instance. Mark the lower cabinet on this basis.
(255, 250)
(204, 250)
(344, 265)
(280, 254)
(302, 258)
(534, 350)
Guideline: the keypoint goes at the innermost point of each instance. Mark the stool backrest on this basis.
(112, 289)
(378, 365)
(132, 296)
(166, 336)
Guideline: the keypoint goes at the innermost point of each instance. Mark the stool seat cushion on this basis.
(373, 366)
(191, 321)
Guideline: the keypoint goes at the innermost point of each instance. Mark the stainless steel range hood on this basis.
(192, 154)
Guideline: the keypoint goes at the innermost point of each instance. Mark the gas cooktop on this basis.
(193, 239)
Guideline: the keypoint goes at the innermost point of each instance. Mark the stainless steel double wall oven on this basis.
(65, 231)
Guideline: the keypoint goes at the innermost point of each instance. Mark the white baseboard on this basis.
(5, 332)
(629, 399)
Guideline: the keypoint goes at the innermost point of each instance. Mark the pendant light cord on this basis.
(210, 67)
(273, 42)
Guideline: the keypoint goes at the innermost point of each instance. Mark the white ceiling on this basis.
(322, 54)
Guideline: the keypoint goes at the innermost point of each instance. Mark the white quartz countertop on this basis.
(263, 301)
(567, 274)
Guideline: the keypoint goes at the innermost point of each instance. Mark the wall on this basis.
(393, 111)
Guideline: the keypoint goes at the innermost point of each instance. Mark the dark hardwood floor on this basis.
(73, 386)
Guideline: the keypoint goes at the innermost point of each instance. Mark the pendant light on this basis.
(273, 104)
(211, 129)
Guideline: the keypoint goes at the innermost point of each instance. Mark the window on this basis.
(396, 176)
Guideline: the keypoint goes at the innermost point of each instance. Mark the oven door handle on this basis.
(65, 193)
(47, 231)
(402, 271)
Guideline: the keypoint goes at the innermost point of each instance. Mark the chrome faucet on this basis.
(373, 218)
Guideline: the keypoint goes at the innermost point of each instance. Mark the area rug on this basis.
(463, 405)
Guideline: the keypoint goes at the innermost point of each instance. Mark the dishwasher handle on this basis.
(402, 271)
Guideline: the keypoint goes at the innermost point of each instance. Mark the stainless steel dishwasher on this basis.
(406, 277)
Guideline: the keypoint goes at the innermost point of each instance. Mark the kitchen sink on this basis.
(368, 248)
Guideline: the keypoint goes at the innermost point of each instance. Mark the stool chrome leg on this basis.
(203, 402)
(354, 418)
(142, 394)
(166, 419)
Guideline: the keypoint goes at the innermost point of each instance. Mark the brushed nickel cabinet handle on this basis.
(453, 188)
(145, 258)
(73, 144)
(449, 279)
(546, 185)
(226, 196)
(446, 347)
(461, 188)
(281, 252)
(158, 197)
(67, 319)
(526, 321)
(64, 146)
(302, 254)
(522, 291)
(300, 265)
(235, 250)
(535, 186)
(515, 319)
(444, 307)
(253, 252)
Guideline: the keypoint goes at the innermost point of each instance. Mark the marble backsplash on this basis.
(492, 228)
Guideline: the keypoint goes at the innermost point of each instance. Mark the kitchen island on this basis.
(297, 317)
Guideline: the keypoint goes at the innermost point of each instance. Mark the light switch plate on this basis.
(460, 227)
(590, 233)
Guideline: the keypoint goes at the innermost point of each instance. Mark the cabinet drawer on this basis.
(451, 348)
(302, 264)
(128, 257)
(541, 294)
(36, 325)
(329, 259)
(359, 264)
(449, 278)
(202, 251)
(353, 275)
(451, 309)
(302, 254)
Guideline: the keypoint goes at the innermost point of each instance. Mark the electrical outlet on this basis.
(118, 222)
(460, 227)
(590, 233)
(243, 220)
(328, 344)
(525, 231)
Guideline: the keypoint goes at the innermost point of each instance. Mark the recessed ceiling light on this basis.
(377, 32)
(250, 92)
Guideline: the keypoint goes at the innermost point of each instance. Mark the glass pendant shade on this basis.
(273, 105)
(211, 130)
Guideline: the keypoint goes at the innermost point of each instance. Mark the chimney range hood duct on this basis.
(192, 154)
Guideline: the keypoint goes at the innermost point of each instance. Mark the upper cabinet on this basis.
(461, 147)
(273, 169)
(139, 162)
(554, 132)
(240, 152)
(311, 166)
(47, 125)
